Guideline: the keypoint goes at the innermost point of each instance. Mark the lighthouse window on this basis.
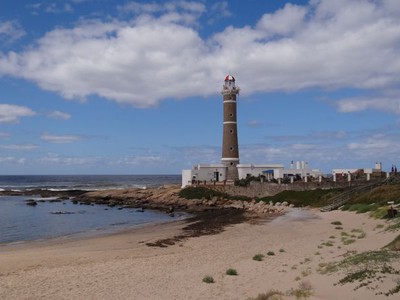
(231, 148)
(231, 114)
(231, 131)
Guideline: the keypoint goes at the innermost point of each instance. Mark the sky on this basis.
(134, 87)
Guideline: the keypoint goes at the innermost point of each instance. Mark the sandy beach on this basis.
(123, 266)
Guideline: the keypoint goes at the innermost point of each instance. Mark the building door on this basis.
(216, 176)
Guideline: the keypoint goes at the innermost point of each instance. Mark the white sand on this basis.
(121, 266)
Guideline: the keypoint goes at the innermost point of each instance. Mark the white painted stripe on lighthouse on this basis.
(230, 122)
(230, 159)
(229, 101)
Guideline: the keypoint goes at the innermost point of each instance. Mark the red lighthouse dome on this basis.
(229, 78)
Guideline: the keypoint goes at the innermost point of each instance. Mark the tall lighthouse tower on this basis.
(230, 146)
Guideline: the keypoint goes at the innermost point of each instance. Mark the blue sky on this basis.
(133, 87)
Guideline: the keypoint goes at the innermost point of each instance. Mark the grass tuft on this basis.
(336, 223)
(304, 290)
(258, 257)
(231, 272)
(208, 279)
(270, 295)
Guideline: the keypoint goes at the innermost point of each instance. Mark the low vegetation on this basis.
(336, 223)
(270, 253)
(375, 201)
(270, 295)
(314, 198)
(378, 196)
(231, 272)
(258, 257)
(394, 245)
(367, 269)
(304, 290)
(208, 279)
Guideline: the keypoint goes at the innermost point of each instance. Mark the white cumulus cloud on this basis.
(10, 31)
(19, 147)
(60, 138)
(160, 55)
(359, 104)
(59, 115)
(12, 113)
(12, 160)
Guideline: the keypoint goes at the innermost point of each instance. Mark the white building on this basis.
(217, 172)
(349, 173)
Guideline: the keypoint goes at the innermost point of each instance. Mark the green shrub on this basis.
(346, 241)
(379, 213)
(336, 223)
(231, 272)
(327, 244)
(258, 257)
(208, 279)
(314, 198)
(271, 253)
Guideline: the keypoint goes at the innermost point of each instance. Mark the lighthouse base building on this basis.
(210, 174)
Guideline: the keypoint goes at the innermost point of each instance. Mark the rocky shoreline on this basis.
(165, 198)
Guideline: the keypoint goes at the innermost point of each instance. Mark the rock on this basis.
(62, 212)
(31, 202)
(277, 204)
(55, 200)
(285, 203)
(140, 210)
(291, 205)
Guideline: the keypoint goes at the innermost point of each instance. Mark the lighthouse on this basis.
(230, 146)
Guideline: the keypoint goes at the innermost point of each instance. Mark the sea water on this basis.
(84, 182)
(20, 222)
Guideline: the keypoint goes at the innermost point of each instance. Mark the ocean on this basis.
(20, 223)
(84, 182)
